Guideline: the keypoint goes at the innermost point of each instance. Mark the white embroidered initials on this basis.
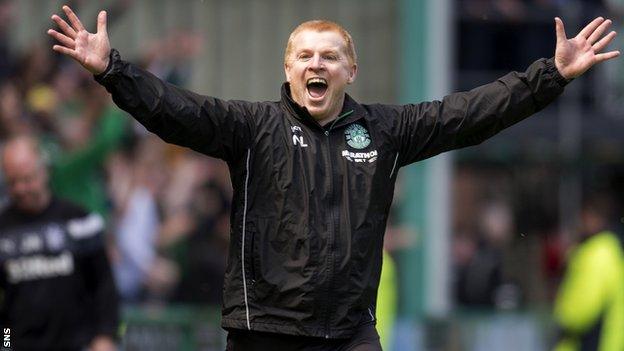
(298, 139)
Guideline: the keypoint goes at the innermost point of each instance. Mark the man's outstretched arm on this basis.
(468, 118)
(208, 125)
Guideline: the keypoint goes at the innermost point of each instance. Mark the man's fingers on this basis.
(607, 56)
(598, 32)
(591, 27)
(66, 51)
(101, 22)
(63, 39)
(73, 19)
(604, 42)
(560, 30)
(66, 28)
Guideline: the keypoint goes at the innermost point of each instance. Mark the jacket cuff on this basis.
(552, 68)
(113, 58)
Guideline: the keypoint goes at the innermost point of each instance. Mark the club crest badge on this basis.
(357, 136)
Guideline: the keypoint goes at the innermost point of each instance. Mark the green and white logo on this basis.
(357, 136)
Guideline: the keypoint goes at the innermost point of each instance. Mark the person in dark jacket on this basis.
(313, 174)
(55, 279)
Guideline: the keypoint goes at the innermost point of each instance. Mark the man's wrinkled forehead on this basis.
(319, 28)
(327, 40)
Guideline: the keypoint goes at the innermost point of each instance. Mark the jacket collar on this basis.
(351, 111)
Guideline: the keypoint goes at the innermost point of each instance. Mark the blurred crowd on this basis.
(167, 208)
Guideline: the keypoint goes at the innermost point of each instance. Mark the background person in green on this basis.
(589, 308)
(77, 160)
(387, 301)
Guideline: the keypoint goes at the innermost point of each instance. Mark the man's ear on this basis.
(287, 71)
(352, 74)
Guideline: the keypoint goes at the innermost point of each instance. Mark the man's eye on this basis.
(330, 57)
(304, 57)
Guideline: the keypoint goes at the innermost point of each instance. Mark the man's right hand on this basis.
(91, 50)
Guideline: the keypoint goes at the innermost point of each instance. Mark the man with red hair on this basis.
(313, 174)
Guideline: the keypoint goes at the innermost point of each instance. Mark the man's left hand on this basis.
(575, 56)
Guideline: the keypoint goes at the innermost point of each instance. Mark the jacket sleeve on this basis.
(87, 233)
(104, 292)
(468, 118)
(3, 300)
(205, 124)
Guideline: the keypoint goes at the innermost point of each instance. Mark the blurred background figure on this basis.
(56, 282)
(135, 177)
(480, 276)
(387, 302)
(589, 308)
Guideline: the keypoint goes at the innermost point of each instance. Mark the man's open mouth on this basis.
(316, 87)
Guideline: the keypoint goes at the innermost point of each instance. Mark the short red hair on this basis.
(323, 26)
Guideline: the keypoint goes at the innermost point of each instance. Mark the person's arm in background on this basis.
(92, 258)
(208, 125)
(109, 130)
(3, 302)
(76, 174)
(106, 302)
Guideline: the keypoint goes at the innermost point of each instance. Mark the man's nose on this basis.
(316, 63)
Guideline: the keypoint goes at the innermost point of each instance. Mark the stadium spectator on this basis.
(313, 185)
(481, 280)
(57, 287)
(589, 307)
(135, 178)
(86, 141)
(11, 111)
(200, 247)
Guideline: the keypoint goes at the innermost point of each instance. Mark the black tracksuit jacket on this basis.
(310, 202)
(57, 287)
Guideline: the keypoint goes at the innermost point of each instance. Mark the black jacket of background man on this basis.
(310, 202)
(58, 290)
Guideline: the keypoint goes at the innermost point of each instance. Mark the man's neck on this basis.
(326, 121)
(323, 121)
(39, 208)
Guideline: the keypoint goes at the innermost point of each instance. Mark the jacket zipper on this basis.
(332, 227)
(329, 261)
